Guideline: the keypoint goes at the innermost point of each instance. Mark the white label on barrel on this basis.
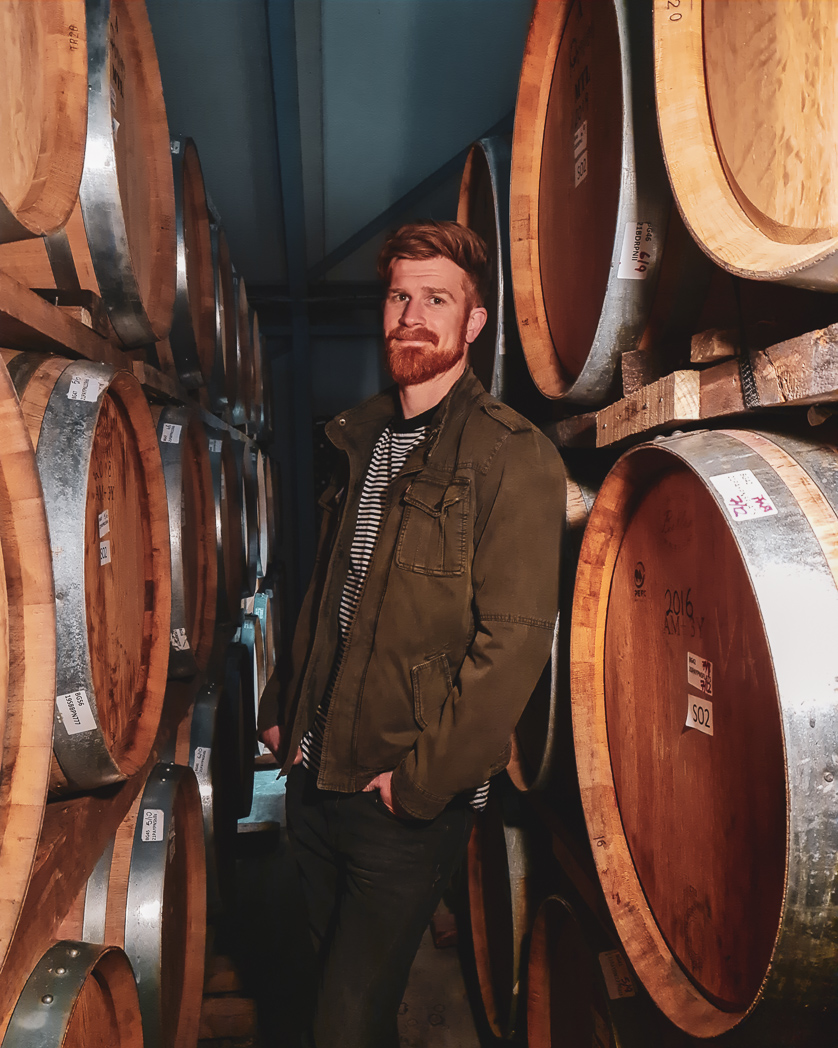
(700, 673)
(201, 762)
(153, 824)
(602, 1037)
(618, 980)
(580, 140)
(638, 251)
(744, 497)
(84, 387)
(215, 446)
(175, 144)
(104, 523)
(700, 714)
(180, 642)
(171, 433)
(104, 553)
(76, 714)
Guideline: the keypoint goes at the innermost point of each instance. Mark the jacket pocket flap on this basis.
(431, 687)
(434, 497)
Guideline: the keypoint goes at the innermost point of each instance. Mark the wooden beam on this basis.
(27, 321)
(673, 399)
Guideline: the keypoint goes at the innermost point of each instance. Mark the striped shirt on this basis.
(389, 455)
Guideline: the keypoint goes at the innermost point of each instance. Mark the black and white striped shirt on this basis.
(389, 455)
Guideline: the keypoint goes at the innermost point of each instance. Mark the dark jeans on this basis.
(372, 883)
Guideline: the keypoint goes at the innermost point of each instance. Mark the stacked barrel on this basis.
(658, 866)
(136, 517)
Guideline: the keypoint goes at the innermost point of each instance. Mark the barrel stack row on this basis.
(661, 868)
(137, 537)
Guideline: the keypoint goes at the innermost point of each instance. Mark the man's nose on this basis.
(412, 314)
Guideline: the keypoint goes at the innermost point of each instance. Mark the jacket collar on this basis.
(361, 426)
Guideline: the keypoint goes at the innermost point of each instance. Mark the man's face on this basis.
(428, 319)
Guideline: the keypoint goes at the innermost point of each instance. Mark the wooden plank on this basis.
(221, 975)
(578, 431)
(28, 322)
(673, 399)
(75, 832)
(227, 1017)
(158, 385)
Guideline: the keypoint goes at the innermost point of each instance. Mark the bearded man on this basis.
(426, 625)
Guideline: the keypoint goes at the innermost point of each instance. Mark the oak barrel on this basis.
(209, 741)
(244, 352)
(580, 990)
(236, 670)
(27, 659)
(147, 895)
(43, 114)
(192, 338)
(189, 493)
(119, 241)
(229, 535)
(706, 730)
(244, 454)
(253, 638)
(256, 421)
(747, 99)
(501, 897)
(264, 550)
(105, 497)
(79, 995)
(542, 744)
(223, 384)
(590, 205)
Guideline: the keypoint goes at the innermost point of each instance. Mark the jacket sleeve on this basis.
(515, 579)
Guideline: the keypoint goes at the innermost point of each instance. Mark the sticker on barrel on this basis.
(580, 154)
(104, 520)
(700, 714)
(201, 763)
(743, 495)
(152, 825)
(75, 712)
(700, 673)
(638, 252)
(618, 980)
(179, 640)
(171, 433)
(85, 387)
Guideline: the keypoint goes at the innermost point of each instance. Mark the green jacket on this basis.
(456, 617)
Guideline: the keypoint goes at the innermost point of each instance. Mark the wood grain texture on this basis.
(43, 110)
(199, 273)
(765, 206)
(28, 641)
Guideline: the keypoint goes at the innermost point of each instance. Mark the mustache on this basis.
(414, 334)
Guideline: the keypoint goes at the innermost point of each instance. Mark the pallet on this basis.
(800, 372)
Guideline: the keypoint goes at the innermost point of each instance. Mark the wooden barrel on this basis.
(580, 990)
(752, 158)
(590, 205)
(704, 666)
(484, 207)
(192, 338)
(244, 381)
(27, 659)
(105, 497)
(119, 242)
(192, 541)
(229, 535)
(237, 673)
(500, 899)
(264, 547)
(147, 895)
(243, 451)
(253, 638)
(542, 745)
(43, 115)
(209, 741)
(78, 996)
(256, 426)
(224, 377)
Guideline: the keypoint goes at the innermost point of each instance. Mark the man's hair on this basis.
(449, 240)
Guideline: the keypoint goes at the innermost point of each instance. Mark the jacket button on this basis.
(341, 421)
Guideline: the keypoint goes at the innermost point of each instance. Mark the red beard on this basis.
(412, 364)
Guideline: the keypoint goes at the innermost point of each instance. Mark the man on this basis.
(426, 625)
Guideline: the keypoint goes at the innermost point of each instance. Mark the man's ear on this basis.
(476, 321)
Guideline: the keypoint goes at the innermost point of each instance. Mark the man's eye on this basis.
(437, 301)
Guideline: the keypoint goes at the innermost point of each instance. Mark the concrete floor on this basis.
(435, 1013)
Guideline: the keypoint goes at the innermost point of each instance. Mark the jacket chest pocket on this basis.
(433, 539)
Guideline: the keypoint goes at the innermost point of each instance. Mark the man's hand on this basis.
(272, 738)
(382, 783)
